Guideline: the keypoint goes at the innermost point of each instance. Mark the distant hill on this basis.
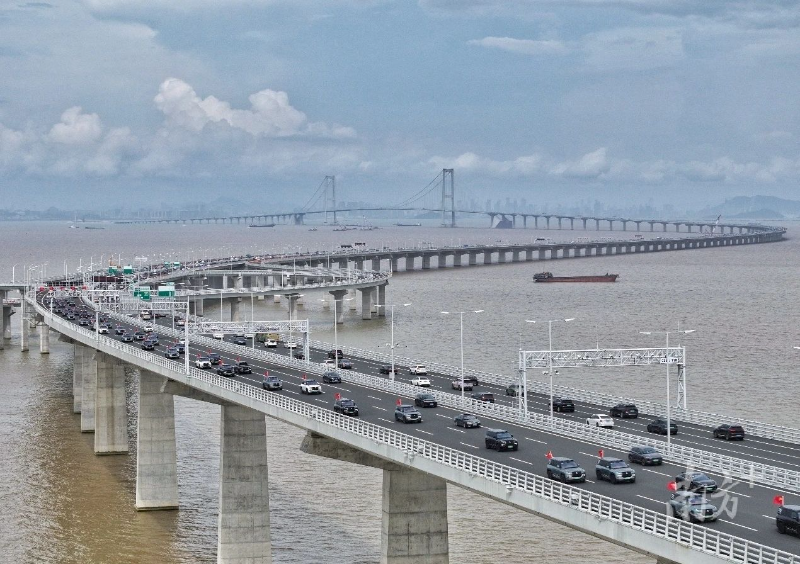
(754, 207)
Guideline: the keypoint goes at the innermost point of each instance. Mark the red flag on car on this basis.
(600, 453)
(399, 401)
(672, 486)
(549, 454)
(338, 396)
(777, 500)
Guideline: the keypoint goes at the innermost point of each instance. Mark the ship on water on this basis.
(548, 277)
(261, 225)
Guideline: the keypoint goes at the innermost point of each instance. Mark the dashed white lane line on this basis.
(387, 420)
(523, 461)
(656, 472)
(373, 397)
(732, 493)
(381, 408)
(660, 502)
(468, 445)
(426, 432)
(456, 430)
(769, 516)
(738, 525)
(535, 440)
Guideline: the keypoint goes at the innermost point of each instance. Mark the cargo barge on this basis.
(548, 277)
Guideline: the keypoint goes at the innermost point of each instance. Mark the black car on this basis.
(514, 390)
(500, 439)
(407, 414)
(335, 354)
(484, 396)
(565, 470)
(240, 341)
(272, 383)
(614, 470)
(139, 336)
(563, 405)
(387, 369)
(345, 364)
(346, 407)
(467, 420)
(659, 426)
(625, 410)
(127, 338)
(214, 358)
(645, 456)
(148, 346)
(298, 355)
(729, 432)
(425, 400)
(242, 368)
(226, 370)
(172, 353)
(696, 482)
(788, 519)
(181, 348)
(331, 378)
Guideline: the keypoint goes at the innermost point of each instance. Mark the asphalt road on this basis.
(747, 510)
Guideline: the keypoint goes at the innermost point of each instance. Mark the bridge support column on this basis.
(414, 514)
(487, 257)
(156, 457)
(359, 264)
(473, 258)
(542, 254)
(366, 303)
(235, 314)
(515, 256)
(23, 326)
(393, 263)
(501, 256)
(456, 260)
(351, 295)
(44, 339)
(426, 262)
(88, 391)
(80, 365)
(376, 264)
(441, 260)
(110, 408)
(528, 255)
(292, 299)
(381, 300)
(414, 524)
(7, 311)
(338, 297)
(198, 307)
(243, 536)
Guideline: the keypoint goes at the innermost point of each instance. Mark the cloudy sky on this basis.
(109, 101)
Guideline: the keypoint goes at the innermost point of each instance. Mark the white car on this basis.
(271, 343)
(148, 328)
(202, 362)
(102, 330)
(329, 362)
(421, 381)
(310, 387)
(600, 420)
(418, 369)
(218, 336)
(290, 345)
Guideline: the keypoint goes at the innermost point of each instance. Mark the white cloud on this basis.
(271, 114)
(76, 128)
(522, 46)
(633, 48)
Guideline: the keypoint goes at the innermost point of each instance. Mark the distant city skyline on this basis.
(630, 103)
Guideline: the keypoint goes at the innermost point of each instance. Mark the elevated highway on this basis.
(432, 454)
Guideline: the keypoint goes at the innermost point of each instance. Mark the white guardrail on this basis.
(755, 428)
(683, 455)
(660, 525)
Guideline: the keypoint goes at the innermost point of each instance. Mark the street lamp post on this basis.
(666, 353)
(461, 323)
(336, 330)
(549, 359)
(391, 309)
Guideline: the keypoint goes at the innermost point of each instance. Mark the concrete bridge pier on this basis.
(7, 312)
(542, 254)
(359, 263)
(380, 304)
(414, 513)
(88, 390)
(23, 326)
(441, 260)
(473, 258)
(156, 456)
(82, 357)
(515, 256)
(426, 262)
(243, 535)
(292, 300)
(110, 408)
(44, 339)
(393, 263)
(456, 260)
(351, 297)
(338, 297)
(528, 255)
(487, 257)
(376, 264)
(366, 303)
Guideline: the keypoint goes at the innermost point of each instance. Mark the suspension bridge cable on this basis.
(314, 197)
(422, 193)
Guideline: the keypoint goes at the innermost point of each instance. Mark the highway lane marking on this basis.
(381, 408)
(426, 432)
(732, 493)
(768, 516)
(387, 420)
(651, 499)
(456, 430)
(738, 525)
(523, 461)
(468, 445)
(373, 397)
(656, 472)
(535, 440)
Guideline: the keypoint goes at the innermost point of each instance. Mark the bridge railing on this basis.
(624, 514)
(706, 419)
(728, 466)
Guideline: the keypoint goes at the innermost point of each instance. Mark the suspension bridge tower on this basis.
(330, 198)
(448, 198)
